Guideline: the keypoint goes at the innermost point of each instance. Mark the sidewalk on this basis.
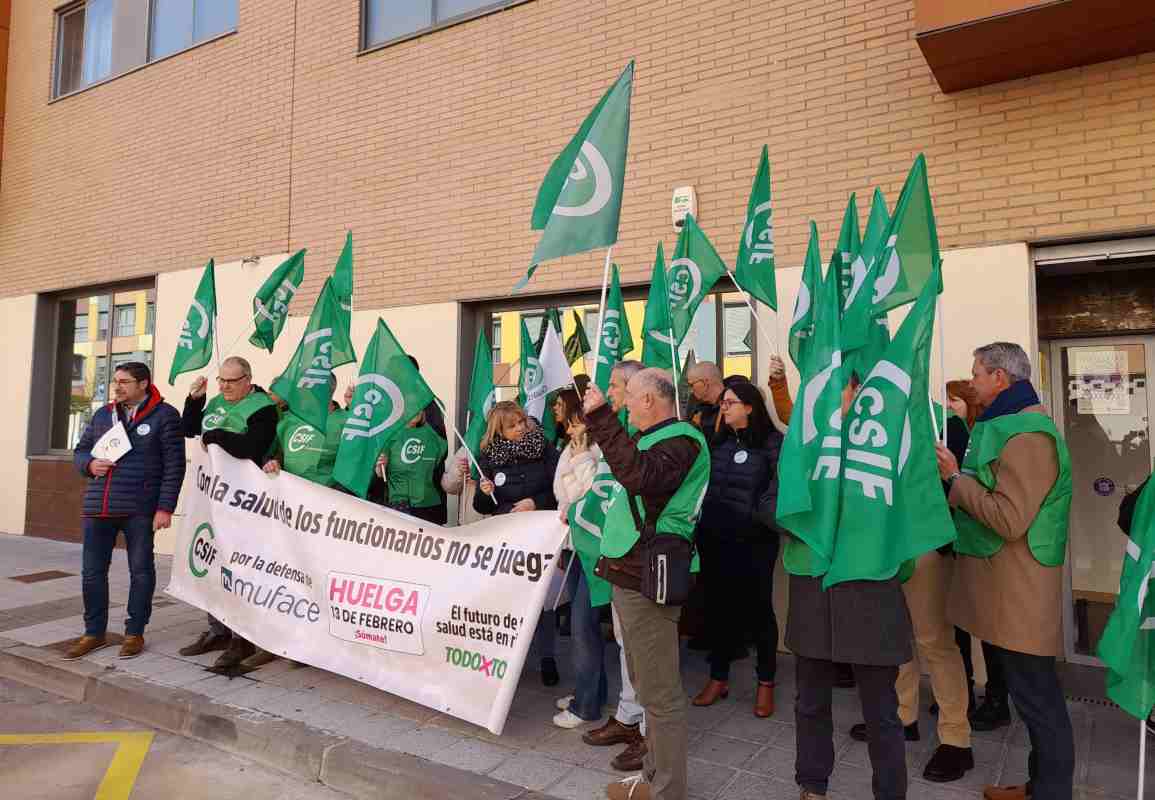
(371, 744)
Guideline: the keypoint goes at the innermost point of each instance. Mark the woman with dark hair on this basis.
(733, 544)
(566, 405)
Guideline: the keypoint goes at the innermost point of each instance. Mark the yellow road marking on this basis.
(119, 778)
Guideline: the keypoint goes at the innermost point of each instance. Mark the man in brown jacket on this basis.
(1012, 498)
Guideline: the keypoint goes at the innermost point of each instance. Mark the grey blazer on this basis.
(857, 622)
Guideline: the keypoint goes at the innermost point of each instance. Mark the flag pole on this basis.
(602, 306)
(941, 361)
(773, 345)
(933, 418)
(1142, 755)
(460, 438)
(565, 577)
(677, 374)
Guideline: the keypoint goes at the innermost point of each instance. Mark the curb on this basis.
(289, 746)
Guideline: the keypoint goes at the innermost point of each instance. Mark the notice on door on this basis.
(1101, 381)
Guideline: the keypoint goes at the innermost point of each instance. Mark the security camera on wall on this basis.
(685, 202)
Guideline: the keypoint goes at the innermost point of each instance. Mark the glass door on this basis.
(1100, 403)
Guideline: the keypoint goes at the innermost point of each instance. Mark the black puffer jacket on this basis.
(740, 473)
(514, 482)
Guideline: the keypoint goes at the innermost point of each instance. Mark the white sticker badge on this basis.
(740, 457)
(143, 429)
(499, 479)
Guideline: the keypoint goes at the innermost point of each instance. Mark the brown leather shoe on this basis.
(206, 643)
(630, 759)
(258, 659)
(764, 700)
(1006, 793)
(712, 693)
(237, 651)
(85, 645)
(811, 796)
(133, 646)
(632, 788)
(613, 732)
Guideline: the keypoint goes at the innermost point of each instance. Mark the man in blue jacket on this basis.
(136, 496)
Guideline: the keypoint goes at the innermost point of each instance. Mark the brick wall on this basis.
(431, 150)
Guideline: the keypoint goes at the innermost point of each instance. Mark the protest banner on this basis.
(439, 616)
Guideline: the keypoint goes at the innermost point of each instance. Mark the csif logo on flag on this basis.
(685, 282)
(801, 307)
(382, 397)
(763, 250)
(412, 450)
(874, 428)
(534, 384)
(302, 438)
(321, 366)
(188, 337)
(281, 299)
(589, 181)
(611, 336)
(888, 280)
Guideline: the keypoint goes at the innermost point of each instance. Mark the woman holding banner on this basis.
(517, 466)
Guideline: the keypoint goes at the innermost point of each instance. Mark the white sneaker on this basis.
(563, 702)
(564, 719)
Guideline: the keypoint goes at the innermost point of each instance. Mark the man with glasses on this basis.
(242, 420)
(136, 495)
(706, 385)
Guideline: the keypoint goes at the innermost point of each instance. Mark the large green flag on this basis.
(389, 392)
(802, 325)
(580, 200)
(893, 507)
(271, 302)
(482, 393)
(613, 334)
(194, 346)
(849, 243)
(658, 346)
(304, 385)
(1127, 646)
(863, 348)
(577, 344)
(754, 270)
(343, 283)
(810, 464)
(693, 272)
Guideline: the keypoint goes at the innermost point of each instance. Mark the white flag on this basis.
(555, 374)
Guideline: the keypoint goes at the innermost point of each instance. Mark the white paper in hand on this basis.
(113, 444)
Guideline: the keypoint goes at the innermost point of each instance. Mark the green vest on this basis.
(233, 417)
(414, 453)
(305, 451)
(1047, 536)
(679, 516)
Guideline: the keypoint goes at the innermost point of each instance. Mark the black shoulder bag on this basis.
(666, 559)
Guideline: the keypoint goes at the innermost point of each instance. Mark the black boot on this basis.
(910, 732)
(994, 713)
(949, 763)
(237, 651)
(549, 674)
(206, 643)
(844, 678)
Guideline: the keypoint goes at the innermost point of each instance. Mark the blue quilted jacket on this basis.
(147, 478)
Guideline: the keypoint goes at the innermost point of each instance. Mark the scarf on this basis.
(502, 452)
(1016, 397)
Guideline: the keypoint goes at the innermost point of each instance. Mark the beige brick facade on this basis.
(282, 136)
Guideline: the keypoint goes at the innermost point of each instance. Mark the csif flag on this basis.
(580, 200)
(343, 283)
(810, 464)
(658, 346)
(194, 346)
(692, 274)
(802, 324)
(1127, 646)
(577, 344)
(388, 393)
(305, 384)
(541, 374)
(615, 339)
(893, 508)
(864, 339)
(849, 243)
(271, 302)
(482, 393)
(754, 271)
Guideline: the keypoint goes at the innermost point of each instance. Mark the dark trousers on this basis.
(1035, 690)
(813, 717)
(99, 542)
(996, 680)
(740, 597)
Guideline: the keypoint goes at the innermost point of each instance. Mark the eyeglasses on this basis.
(124, 381)
(728, 403)
(231, 381)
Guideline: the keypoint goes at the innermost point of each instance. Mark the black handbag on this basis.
(666, 560)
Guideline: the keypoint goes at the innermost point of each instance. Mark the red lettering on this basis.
(337, 592)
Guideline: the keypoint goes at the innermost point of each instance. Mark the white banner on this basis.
(440, 616)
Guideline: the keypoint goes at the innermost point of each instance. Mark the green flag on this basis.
(657, 327)
(580, 200)
(1127, 646)
(863, 348)
(389, 392)
(528, 366)
(343, 283)
(613, 333)
(847, 248)
(194, 346)
(552, 317)
(271, 302)
(754, 271)
(482, 393)
(893, 507)
(304, 385)
(577, 345)
(693, 272)
(802, 325)
(809, 466)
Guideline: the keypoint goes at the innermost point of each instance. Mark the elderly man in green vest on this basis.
(662, 472)
(242, 420)
(1012, 501)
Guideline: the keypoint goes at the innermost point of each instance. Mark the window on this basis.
(102, 325)
(78, 363)
(495, 340)
(125, 321)
(386, 20)
(591, 324)
(99, 384)
(737, 329)
(81, 328)
(150, 319)
(179, 24)
(83, 45)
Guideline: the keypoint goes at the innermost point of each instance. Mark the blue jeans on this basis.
(99, 541)
(589, 662)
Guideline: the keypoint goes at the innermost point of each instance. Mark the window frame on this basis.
(364, 46)
(116, 309)
(80, 6)
(738, 305)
